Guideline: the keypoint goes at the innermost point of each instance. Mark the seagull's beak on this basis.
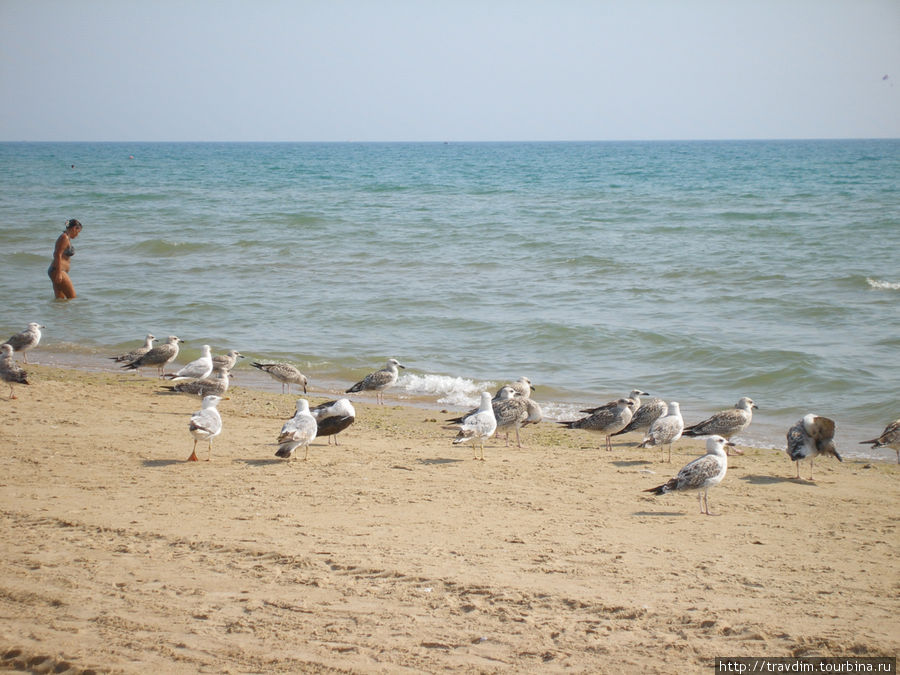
(736, 448)
(401, 365)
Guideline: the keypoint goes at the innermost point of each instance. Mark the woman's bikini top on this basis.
(69, 251)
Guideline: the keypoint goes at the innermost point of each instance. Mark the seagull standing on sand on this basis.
(511, 411)
(332, 417)
(890, 438)
(197, 369)
(666, 429)
(649, 411)
(606, 419)
(27, 340)
(726, 423)
(813, 435)
(481, 424)
(284, 373)
(299, 430)
(135, 354)
(379, 380)
(205, 425)
(10, 371)
(701, 474)
(159, 356)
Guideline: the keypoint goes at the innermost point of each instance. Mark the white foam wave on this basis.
(883, 285)
(453, 391)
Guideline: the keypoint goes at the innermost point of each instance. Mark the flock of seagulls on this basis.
(509, 410)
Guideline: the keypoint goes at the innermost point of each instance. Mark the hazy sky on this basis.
(448, 70)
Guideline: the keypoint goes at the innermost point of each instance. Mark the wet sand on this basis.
(397, 552)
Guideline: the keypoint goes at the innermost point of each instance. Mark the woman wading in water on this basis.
(59, 268)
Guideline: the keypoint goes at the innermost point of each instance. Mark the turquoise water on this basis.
(698, 271)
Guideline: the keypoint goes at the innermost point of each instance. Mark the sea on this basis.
(696, 271)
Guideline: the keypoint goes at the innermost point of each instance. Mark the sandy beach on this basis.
(397, 552)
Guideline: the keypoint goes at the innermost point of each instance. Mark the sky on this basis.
(448, 70)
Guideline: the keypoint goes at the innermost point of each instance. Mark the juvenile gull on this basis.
(666, 429)
(135, 354)
(197, 369)
(700, 474)
(216, 384)
(159, 356)
(205, 425)
(10, 371)
(649, 411)
(227, 360)
(26, 340)
(379, 380)
(725, 423)
(332, 417)
(284, 373)
(481, 424)
(299, 430)
(522, 387)
(635, 396)
(606, 419)
(813, 435)
(890, 438)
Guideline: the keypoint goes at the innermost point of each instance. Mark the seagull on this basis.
(10, 371)
(159, 356)
(725, 423)
(700, 474)
(284, 373)
(511, 410)
(379, 380)
(137, 353)
(227, 360)
(299, 430)
(205, 425)
(606, 419)
(535, 414)
(890, 438)
(197, 369)
(647, 413)
(27, 340)
(813, 435)
(666, 429)
(216, 384)
(522, 387)
(635, 395)
(481, 424)
(333, 417)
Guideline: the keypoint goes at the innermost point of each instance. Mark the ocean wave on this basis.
(883, 285)
(166, 247)
(454, 391)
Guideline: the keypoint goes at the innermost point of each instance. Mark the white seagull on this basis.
(481, 424)
(666, 429)
(205, 425)
(197, 369)
(813, 435)
(299, 430)
(700, 474)
(216, 384)
(27, 340)
(379, 380)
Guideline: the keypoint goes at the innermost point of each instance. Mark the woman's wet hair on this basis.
(71, 222)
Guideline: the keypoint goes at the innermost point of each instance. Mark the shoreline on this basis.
(396, 552)
(762, 434)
